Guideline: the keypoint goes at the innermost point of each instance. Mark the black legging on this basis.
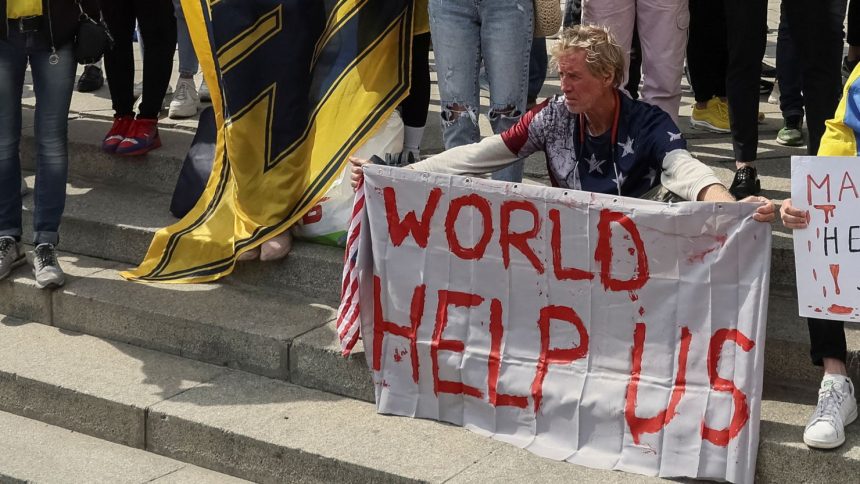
(414, 108)
(724, 51)
(158, 29)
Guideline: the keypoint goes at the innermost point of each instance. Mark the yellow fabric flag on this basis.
(297, 87)
(23, 8)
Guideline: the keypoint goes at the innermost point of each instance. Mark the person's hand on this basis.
(356, 171)
(766, 212)
(792, 218)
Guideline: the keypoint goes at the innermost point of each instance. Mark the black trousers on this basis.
(158, 29)
(724, 51)
(816, 29)
(414, 108)
(817, 33)
(854, 23)
(826, 340)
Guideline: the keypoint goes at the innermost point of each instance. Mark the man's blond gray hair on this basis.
(603, 55)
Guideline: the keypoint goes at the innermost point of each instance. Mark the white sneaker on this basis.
(774, 95)
(185, 100)
(205, 96)
(837, 407)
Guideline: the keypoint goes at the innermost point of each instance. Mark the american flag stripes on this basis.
(348, 313)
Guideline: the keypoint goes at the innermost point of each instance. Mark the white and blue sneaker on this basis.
(837, 407)
(10, 255)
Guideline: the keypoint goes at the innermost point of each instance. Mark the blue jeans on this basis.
(466, 32)
(538, 62)
(53, 86)
(187, 57)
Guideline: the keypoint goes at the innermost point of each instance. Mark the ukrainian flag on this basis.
(841, 133)
(300, 85)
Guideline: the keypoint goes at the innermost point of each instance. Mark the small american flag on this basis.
(348, 313)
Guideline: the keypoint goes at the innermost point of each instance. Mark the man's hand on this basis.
(718, 193)
(766, 212)
(792, 218)
(356, 171)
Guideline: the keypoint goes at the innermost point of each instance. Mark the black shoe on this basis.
(765, 87)
(91, 79)
(746, 183)
(400, 159)
(768, 70)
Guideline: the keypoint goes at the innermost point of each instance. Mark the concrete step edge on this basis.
(269, 431)
(41, 452)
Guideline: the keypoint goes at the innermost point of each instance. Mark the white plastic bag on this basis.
(327, 222)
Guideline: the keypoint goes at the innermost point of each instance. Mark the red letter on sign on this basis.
(450, 298)
(742, 412)
(483, 206)
(650, 425)
(495, 361)
(520, 241)
(398, 229)
(556, 356)
(603, 253)
(563, 273)
(380, 326)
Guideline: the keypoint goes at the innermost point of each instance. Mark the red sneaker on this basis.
(142, 138)
(117, 133)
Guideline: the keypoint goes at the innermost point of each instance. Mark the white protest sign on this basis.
(827, 252)
(609, 332)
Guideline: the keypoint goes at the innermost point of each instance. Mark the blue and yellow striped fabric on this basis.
(300, 85)
(842, 132)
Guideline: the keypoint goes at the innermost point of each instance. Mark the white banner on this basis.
(827, 252)
(609, 332)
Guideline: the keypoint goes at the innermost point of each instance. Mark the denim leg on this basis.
(53, 85)
(187, 58)
(572, 13)
(506, 37)
(456, 31)
(13, 63)
(538, 62)
(788, 72)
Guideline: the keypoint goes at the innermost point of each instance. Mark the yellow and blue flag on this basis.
(841, 134)
(300, 85)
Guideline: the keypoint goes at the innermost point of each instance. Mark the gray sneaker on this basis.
(10, 255)
(46, 268)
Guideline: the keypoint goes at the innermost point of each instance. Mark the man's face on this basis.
(582, 89)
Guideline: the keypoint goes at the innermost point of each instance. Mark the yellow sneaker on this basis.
(713, 117)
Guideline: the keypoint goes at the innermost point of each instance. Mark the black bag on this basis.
(93, 38)
(197, 166)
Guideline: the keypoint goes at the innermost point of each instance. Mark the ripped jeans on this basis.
(465, 34)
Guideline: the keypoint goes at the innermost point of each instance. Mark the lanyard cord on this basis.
(613, 140)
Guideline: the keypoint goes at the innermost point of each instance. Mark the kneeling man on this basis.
(595, 138)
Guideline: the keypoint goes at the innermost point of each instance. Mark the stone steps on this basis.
(280, 335)
(268, 430)
(117, 223)
(47, 454)
(244, 376)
